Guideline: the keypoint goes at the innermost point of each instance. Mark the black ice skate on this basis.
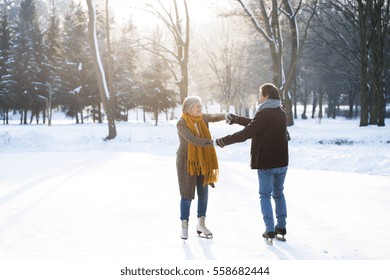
(268, 237)
(280, 233)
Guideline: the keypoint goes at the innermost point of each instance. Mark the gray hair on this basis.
(189, 102)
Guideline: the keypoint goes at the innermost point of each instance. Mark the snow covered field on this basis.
(65, 194)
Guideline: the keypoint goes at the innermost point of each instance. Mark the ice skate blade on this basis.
(269, 241)
(201, 235)
(280, 238)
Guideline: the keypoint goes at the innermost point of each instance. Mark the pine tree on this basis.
(29, 73)
(74, 45)
(124, 72)
(54, 57)
(6, 96)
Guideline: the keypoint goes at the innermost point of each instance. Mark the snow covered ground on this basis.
(65, 194)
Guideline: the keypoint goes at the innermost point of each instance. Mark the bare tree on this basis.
(356, 31)
(101, 79)
(176, 59)
(226, 64)
(266, 17)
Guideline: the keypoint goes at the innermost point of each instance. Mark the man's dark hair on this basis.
(270, 90)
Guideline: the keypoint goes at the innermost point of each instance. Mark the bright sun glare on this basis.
(199, 10)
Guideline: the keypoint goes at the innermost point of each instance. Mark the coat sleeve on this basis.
(251, 129)
(243, 121)
(213, 117)
(185, 132)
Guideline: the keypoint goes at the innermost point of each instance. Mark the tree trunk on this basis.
(291, 73)
(49, 106)
(381, 17)
(351, 101)
(320, 102)
(295, 100)
(364, 62)
(109, 65)
(97, 63)
(305, 99)
(373, 118)
(315, 99)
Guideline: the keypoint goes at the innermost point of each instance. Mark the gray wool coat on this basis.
(186, 181)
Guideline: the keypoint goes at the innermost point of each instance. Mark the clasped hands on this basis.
(231, 119)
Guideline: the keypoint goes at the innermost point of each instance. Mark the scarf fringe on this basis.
(195, 168)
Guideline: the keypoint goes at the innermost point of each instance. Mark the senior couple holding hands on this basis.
(197, 163)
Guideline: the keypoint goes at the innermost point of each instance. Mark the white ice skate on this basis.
(184, 229)
(202, 230)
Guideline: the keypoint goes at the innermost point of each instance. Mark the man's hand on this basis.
(220, 143)
(231, 118)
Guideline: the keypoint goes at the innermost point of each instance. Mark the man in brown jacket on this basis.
(269, 155)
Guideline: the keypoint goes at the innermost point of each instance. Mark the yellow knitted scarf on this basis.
(201, 160)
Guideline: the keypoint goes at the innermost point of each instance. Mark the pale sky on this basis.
(200, 10)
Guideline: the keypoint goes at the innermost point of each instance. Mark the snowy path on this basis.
(113, 205)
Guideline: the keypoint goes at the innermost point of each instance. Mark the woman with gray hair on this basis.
(196, 162)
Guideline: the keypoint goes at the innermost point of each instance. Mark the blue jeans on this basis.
(271, 183)
(203, 194)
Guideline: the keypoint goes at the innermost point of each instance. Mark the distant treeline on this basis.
(343, 61)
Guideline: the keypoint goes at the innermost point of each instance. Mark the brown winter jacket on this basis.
(268, 130)
(186, 181)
